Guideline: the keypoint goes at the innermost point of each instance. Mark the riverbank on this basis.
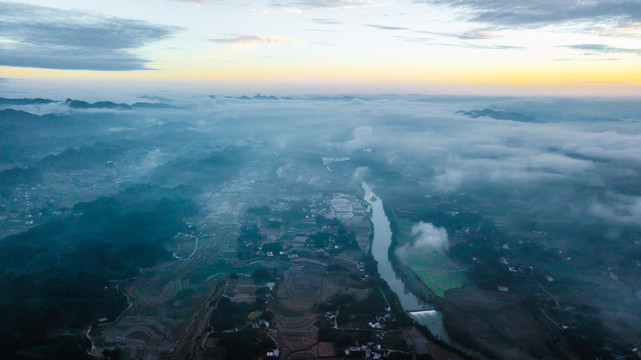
(445, 324)
(411, 280)
(464, 330)
(394, 274)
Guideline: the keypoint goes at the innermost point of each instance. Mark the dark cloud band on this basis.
(601, 49)
(327, 4)
(44, 37)
(527, 13)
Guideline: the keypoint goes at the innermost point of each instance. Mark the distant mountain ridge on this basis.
(499, 115)
(305, 97)
(17, 175)
(256, 97)
(25, 101)
(11, 114)
(83, 157)
(80, 104)
(148, 105)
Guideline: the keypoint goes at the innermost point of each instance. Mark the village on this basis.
(268, 271)
(316, 294)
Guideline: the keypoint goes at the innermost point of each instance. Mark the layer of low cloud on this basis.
(425, 237)
(362, 137)
(44, 37)
(566, 164)
(619, 209)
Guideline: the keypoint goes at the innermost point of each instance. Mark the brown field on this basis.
(301, 288)
(497, 322)
(169, 310)
(306, 284)
(173, 302)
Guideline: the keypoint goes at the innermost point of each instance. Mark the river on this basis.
(423, 313)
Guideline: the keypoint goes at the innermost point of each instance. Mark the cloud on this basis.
(362, 137)
(599, 49)
(326, 4)
(200, 2)
(454, 153)
(562, 168)
(596, 59)
(429, 236)
(293, 172)
(467, 44)
(153, 159)
(477, 34)
(449, 180)
(50, 38)
(492, 47)
(360, 174)
(426, 237)
(255, 39)
(627, 30)
(527, 13)
(558, 170)
(580, 149)
(382, 27)
(619, 209)
(326, 21)
(469, 39)
(155, 98)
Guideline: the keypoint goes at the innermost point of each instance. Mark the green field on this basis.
(200, 274)
(433, 267)
(305, 228)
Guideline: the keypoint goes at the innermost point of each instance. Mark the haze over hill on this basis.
(533, 208)
(320, 179)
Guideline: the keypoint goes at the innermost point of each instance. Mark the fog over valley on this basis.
(185, 225)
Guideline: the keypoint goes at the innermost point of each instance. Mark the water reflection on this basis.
(419, 310)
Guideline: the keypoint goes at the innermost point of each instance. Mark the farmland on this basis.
(435, 269)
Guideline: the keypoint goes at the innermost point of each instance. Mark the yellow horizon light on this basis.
(559, 74)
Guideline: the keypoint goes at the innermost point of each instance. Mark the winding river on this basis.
(423, 313)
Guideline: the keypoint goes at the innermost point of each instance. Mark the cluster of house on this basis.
(331, 315)
(289, 255)
(361, 268)
(260, 323)
(368, 351)
(381, 321)
(273, 353)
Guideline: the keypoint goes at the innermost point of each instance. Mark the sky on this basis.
(486, 47)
